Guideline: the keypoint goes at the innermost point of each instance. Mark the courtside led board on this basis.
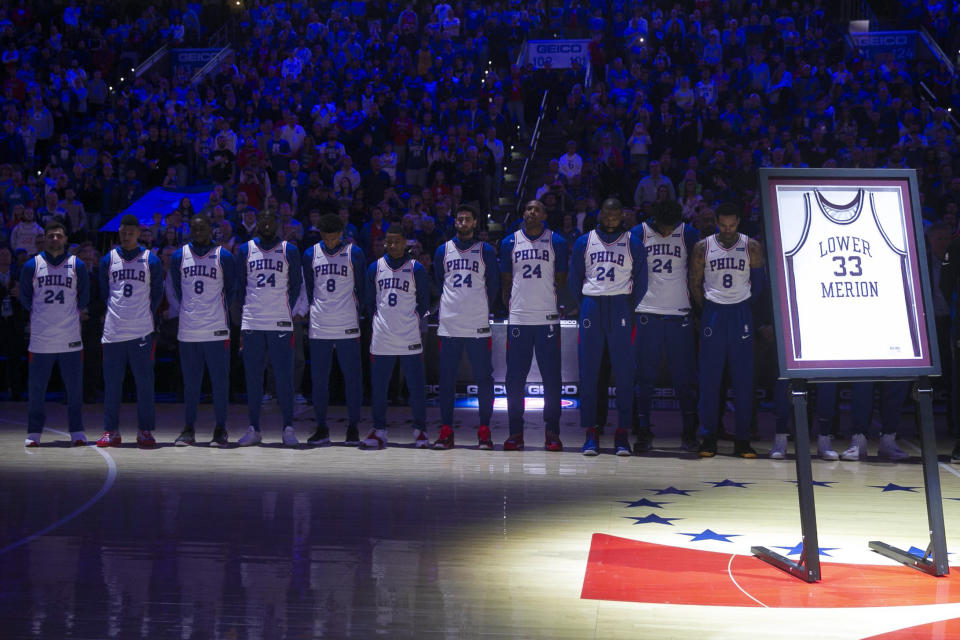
(849, 276)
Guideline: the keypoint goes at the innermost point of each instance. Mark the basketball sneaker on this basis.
(145, 439)
(320, 436)
(484, 439)
(33, 440)
(857, 449)
(825, 449)
(78, 439)
(220, 438)
(889, 449)
(186, 438)
(290, 437)
(250, 438)
(420, 439)
(644, 441)
(779, 449)
(445, 441)
(353, 436)
(376, 439)
(109, 439)
(514, 442)
(590, 447)
(742, 449)
(551, 442)
(708, 447)
(621, 443)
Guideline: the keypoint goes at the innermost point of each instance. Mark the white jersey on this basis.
(667, 291)
(726, 272)
(608, 268)
(464, 308)
(396, 323)
(266, 306)
(54, 316)
(128, 302)
(533, 293)
(847, 269)
(333, 314)
(203, 302)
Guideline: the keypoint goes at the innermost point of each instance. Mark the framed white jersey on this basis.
(849, 294)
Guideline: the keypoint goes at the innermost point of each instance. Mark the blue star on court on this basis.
(707, 534)
(817, 483)
(798, 549)
(920, 553)
(729, 483)
(643, 502)
(893, 487)
(652, 519)
(673, 490)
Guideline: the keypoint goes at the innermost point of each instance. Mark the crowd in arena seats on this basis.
(393, 113)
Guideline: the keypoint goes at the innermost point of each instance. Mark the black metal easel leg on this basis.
(807, 568)
(934, 560)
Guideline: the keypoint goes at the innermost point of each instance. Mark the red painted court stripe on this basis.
(632, 571)
(940, 630)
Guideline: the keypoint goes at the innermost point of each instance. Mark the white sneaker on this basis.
(33, 440)
(290, 437)
(889, 449)
(420, 439)
(250, 438)
(376, 439)
(779, 449)
(299, 399)
(857, 449)
(78, 439)
(825, 448)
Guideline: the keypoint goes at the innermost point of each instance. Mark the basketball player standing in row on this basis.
(608, 274)
(726, 270)
(55, 289)
(131, 284)
(204, 282)
(950, 287)
(334, 275)
(270, 281)
(467, 273)
(533, 266)
(397, 295)
(664, 326)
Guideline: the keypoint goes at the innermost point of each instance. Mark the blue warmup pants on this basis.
(672, 336)
(478, 352)
(71, 370)
(726, 338)
(216, 356)
(321, 359)
(522, 342)
(381, 368)
(139, 353)
(892, 395)
(256, 344)
(606, 320)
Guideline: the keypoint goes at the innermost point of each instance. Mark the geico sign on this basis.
(869, 40)
(204, 56)
(558, 48)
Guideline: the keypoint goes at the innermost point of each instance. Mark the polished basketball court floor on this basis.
(336, 542)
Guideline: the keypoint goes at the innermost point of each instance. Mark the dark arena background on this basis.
(392, 115)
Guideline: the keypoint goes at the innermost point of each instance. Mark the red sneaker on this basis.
(109, 439)
(145, 439)
(445, 441)
(552, 442)
(484, 439)
(513, 443)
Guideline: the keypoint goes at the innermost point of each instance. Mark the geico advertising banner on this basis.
(186, 62)
(559, 54)
(902, 44)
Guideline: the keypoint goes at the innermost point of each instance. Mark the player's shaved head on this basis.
(612, 203)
